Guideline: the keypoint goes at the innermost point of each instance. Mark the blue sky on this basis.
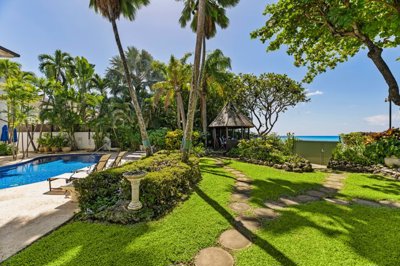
(349, 98)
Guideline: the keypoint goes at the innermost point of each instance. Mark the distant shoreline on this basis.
(316, 138)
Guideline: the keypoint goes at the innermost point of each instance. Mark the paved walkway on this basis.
(249, 219)
(29, 212)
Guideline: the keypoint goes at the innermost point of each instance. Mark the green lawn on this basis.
(321, 233)
(317, 233)
(372, 187)
(270, 183)
(193, 225)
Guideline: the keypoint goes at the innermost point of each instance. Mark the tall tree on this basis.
(187, 136)
(215, 76)
(177, 79)
(320, 34)
(214, 15)
(266, 97)
(112, 10)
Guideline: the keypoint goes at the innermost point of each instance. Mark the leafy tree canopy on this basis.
(319, 34)
(266, 97)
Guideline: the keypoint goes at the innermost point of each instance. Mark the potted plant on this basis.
(56, 143)
(66, 146)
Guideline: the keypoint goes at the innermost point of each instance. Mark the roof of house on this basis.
(230, 117)
(4, 52)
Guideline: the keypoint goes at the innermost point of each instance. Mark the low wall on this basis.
(84, 140)
(318, 152)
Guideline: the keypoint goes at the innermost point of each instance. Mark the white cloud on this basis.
(314, 93)
(381, 120)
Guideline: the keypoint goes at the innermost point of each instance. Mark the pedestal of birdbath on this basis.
(134, 178)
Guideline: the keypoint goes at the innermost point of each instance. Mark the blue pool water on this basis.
(40, 169)
(317, 138)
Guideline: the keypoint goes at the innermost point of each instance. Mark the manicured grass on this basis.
(193, 225)
(321, 233)
(270, 183)
(372, 187)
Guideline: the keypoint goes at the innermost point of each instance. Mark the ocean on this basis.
(316, 138)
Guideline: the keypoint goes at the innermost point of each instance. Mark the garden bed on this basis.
(104, 196)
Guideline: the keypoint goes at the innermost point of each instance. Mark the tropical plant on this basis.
(320, 34)
(177, 76)
(112, 11)
(56, 66)
(215, 77)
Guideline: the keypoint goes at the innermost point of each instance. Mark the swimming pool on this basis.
(42, 168)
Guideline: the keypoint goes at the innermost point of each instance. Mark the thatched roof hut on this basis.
(230, 117)
(4, 52)
(225, 127)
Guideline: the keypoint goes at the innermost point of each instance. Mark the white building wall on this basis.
(82, 139)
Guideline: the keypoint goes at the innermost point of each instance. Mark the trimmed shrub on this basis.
(173, 139)
(157, 138)
(104, 196)
(270, 150)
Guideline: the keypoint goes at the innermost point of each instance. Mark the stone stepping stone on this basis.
(244, 179)
(336, 186)
(328, 191)
(234, 240)
(337, 201)
(389, 203)
(316, 193)
(305, 198)
(288, 202)
(213, 257)
(367, 202)
(243, 190)
(250, 223)
(266, 213)
(242, 184)
(239, 197)
(239, 206)
(274, 205)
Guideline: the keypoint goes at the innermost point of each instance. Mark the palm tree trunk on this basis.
(181, 109)
(187, 137)
(203, 95)
(132, 92)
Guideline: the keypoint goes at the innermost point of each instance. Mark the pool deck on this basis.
(29, 212)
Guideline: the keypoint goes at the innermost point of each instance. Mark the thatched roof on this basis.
(4, 52)
(230, 117)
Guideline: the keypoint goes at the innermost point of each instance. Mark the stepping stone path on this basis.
(233, 239)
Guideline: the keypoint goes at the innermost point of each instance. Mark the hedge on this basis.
(104, 196)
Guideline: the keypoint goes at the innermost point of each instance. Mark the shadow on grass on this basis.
(371, 232)
(273, 188)
(262, 243)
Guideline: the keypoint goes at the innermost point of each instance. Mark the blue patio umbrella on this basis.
(15, 138)
(4, 133)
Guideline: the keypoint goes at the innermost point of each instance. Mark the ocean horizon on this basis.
(316, 138)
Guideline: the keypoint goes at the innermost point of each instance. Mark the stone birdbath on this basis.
(134, 178)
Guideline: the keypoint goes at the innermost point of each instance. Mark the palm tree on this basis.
(187, 136)
(112, 10)
(56, 66)
(177, 78)
(214, 14)
(215, 76)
